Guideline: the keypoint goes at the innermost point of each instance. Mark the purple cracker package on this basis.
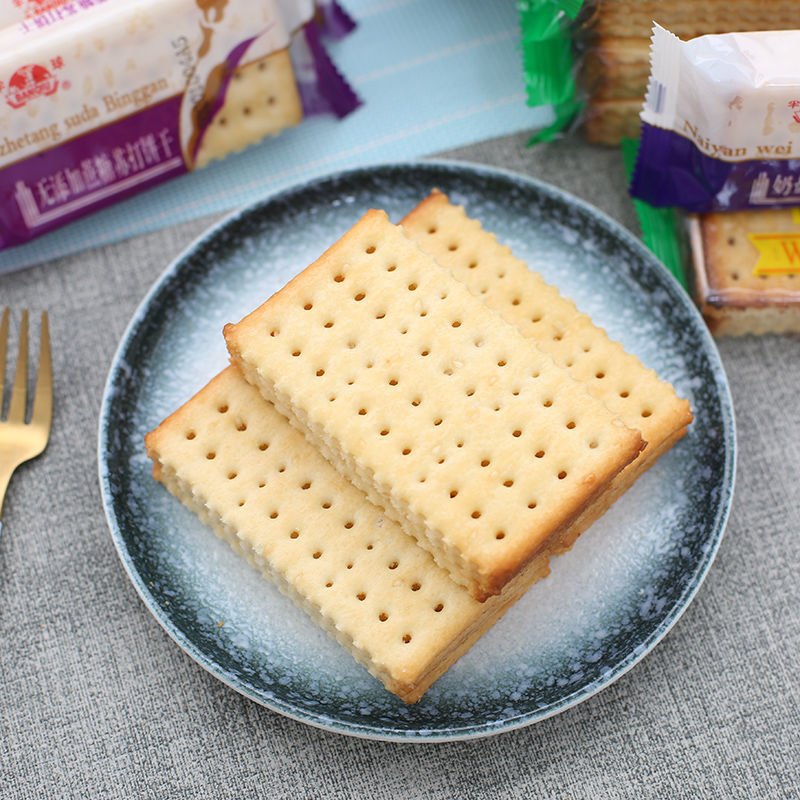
(102, 99)
(721, 122)
(333, 20)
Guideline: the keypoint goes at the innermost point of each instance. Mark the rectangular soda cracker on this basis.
(470, 437)
(232, 459)
(523, 298)
(617, 68)
(608, 121)
(688, 18)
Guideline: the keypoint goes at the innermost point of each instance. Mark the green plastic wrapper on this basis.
(549, 57)
(548, 60)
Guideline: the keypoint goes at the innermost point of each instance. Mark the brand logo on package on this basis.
(28, 83)
(33, 7)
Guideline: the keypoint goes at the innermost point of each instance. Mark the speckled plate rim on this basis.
(489, 727)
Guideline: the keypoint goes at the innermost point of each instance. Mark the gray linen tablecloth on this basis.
(97, 701)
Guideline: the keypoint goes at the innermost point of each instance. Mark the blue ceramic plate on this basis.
(606, 603)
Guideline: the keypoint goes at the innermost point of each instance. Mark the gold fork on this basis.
(19, 440)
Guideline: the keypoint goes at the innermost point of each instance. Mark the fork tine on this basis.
(3, 344)
(43, 396)
(16, 408)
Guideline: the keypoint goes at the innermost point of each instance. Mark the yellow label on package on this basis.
(778, 253)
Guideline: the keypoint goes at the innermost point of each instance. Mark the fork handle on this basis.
(6, 471)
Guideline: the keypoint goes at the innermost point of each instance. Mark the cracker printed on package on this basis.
(747, 270)
(470, 437)
(261, 100)
(231, 458)
(522, 297)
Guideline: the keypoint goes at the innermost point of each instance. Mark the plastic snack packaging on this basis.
(720, 138)
(716, 171)
(721, 122)
(102, 99)
(590, 59)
